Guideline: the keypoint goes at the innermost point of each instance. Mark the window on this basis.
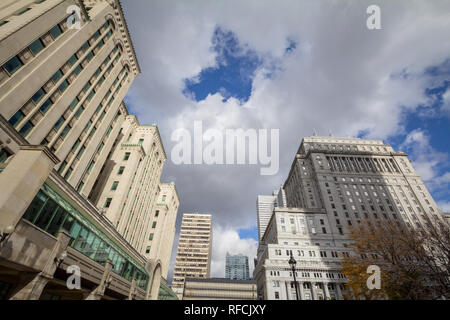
(38, 96)
(157, 213)
(36, 47)
(55, 31)
(147, 250)
(151, 236)
(121, 170)
(13, 65)
(127, 156)
(58, 74)
(154, 225)
(45, 106)
(26, 128)
(141, 141)
(108, 202)
(72, 60)
(16, 118)
(164, 198)
(63, 86)
(65, 131)
(114, 185)
(277, 295)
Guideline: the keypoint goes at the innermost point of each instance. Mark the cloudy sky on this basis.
(296, 66)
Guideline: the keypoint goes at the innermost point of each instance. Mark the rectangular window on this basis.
(38, 96)
(63, 86)
(55, 31)
(91, 165)
(154, 225)
(78, 69)
(65, 131)
(151, 236)
(147, 250)
(121, 170)
(16, 118)
(127, 156)
(72, 60)
(46, 105)
(74, 103)
(59, 123)
(58, 74)
(114, 185)
(80, 153)
(36, 47)
(12, 65)
(108, 202)
(26, 129)
(157, 213)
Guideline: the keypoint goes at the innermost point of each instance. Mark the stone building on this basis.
(335, 183)
(65, 67)
(219, 289)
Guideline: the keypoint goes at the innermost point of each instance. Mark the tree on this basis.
(414, 262)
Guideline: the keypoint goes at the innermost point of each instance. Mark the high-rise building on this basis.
(335, 183)
(264, 210)
(236, 267)
(65, 67)
(194, 250)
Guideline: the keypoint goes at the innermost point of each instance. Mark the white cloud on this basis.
(228, 240)
(444, 206)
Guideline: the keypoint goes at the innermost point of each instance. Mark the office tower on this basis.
(62, 123)
(128, 190)
(335, 183)
(162, 226)
(264, 210)
(281, 198)
(194, 250)
(219, 289)
(236, 267)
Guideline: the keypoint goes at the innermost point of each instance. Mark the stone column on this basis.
(32, 285)
(131, 294)
(99, 291)
(313, 291)
(21, 180)
(326, 291)
(339, 295)
(300, 289)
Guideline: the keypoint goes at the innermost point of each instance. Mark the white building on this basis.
(335, 183)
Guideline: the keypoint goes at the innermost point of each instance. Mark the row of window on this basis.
(48, 214)
(10, 67)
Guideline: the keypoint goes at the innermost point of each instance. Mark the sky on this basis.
(297, 66)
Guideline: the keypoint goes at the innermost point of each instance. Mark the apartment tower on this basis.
(193, 258)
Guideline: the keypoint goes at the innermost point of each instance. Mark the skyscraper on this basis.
(264, 209)
(335, 183)
(236, 267)
(64, 135)
(193, 258)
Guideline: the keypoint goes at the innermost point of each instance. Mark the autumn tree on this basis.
(414, 262)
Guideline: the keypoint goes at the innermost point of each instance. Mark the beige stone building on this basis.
(219, 289)
(65, 67)
(335, 183)
(194, 250)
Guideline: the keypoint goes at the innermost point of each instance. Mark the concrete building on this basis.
(236, 267)
(219, 289)
(194, 250)
(62, 123)
(335, 183)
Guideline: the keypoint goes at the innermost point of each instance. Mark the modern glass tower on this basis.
(236, 267)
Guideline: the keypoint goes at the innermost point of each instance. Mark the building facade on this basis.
(335, 183)
(65, 67)
(219, 289)
(194, 250)
(236, 267)
(264, 209)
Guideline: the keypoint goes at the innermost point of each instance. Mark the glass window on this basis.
(78, 69)
(46, 105)
(58, 74)
(38, 96)
(80, 153)
(16, 118)
(63, 86)
(75, 145)
(65, 131)
(13, 65)
(46, 214)
(79, 111)
(85, 46)
(55, 31)
(72, 60)
(91, 165)
(59, 123)
(151, 236)
(108, 202)
(114, 185)
(90, 95)
(157, 213)
(33, 210)
(36, 47)
(147, 250)
(57, 221)
(127, 156)
(121, 170)
(86, 86)
(68, 173)
(154, 224)
(26, 128)
(89, 56)
(74, 103)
